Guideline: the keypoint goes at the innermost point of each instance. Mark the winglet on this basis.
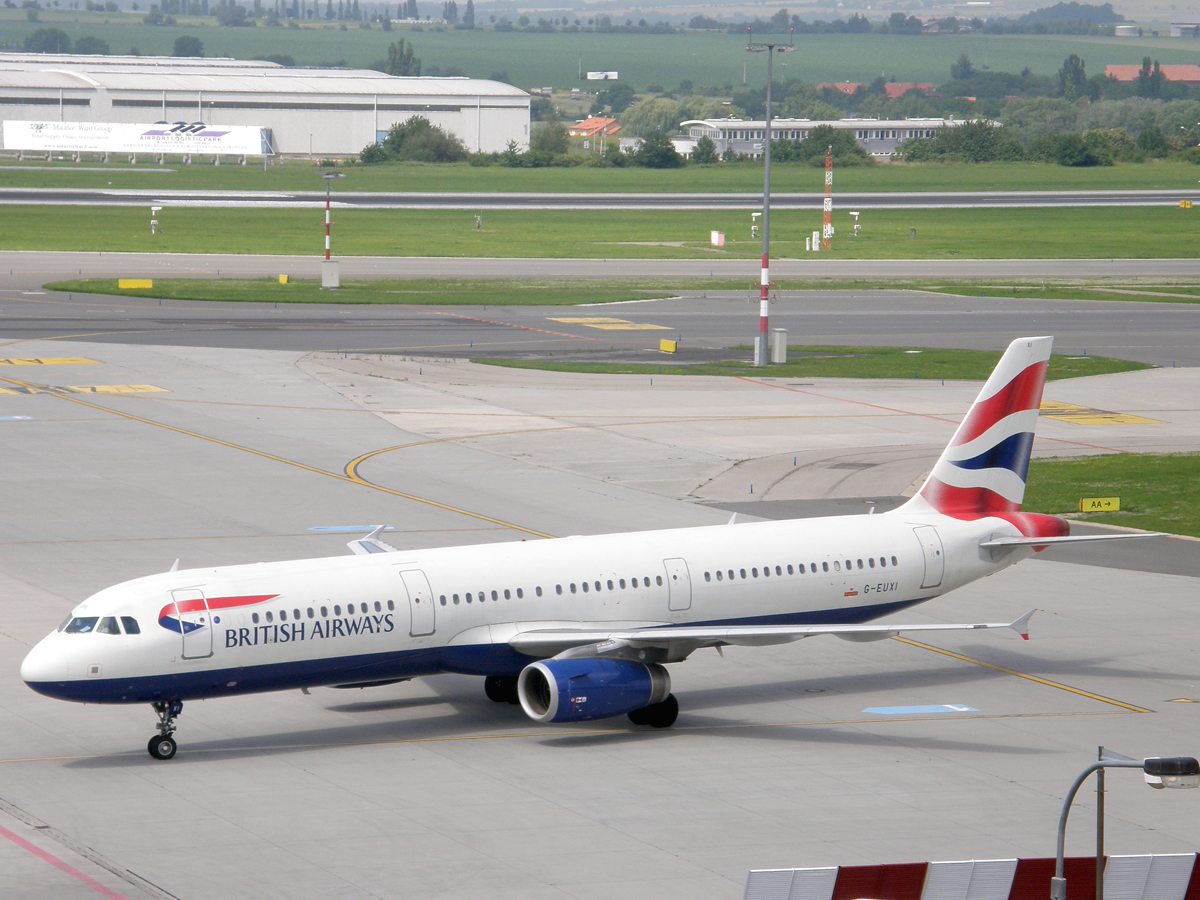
(732, 519)
(371, 543)
(1021, 625)
(175, 566)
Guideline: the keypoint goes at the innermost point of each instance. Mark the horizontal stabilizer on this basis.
(629, 642)
(371, 544)
(996, 543)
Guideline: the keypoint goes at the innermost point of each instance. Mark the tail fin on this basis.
(982, 471)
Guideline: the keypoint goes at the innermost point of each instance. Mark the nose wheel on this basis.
(162, 745)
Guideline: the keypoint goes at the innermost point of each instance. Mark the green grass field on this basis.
(301, 175)
(534, 60)
(1145, 291)
(1093, 233)
(843, 362)
(416, 292)
(1158, 491)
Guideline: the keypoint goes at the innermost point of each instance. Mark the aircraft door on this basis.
(935, 557)
(192, 613)
(679, 584)
(420, 602)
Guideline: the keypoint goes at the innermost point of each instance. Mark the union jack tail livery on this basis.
(982, 471)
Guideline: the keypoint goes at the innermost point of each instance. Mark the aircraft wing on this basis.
(679, 640)
(371, 544)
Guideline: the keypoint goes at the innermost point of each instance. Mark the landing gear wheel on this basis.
(501, 689)
(162, 746)
(657, 715)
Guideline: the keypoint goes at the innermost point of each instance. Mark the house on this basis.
(594, 127)
(1185, 29)
(848, 88)
(1184, 74)
(895, 90)
(879, 137)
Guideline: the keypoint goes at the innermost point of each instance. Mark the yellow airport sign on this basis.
(135, 284)
(1099, 504)
(668, 346)
(1185, 204)
(283, 279)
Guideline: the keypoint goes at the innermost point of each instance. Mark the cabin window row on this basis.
(618, 584)
(753, 572)
(351, 610)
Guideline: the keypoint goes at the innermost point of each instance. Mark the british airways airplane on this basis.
(573, 629)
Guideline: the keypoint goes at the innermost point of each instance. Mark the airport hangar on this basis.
(303, 111)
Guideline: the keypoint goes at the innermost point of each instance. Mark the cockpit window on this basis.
(108, 625)
(131, 625)
(65, 623)
(82, 625)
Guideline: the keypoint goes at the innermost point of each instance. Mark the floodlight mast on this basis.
(761, 354)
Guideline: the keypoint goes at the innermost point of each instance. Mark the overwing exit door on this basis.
(195, 626)
(420, 602)
(679, 584)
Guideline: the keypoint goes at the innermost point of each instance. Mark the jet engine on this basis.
(576, 690)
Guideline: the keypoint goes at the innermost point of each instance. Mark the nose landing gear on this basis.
(162, 745)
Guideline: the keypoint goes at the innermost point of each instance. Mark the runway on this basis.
(1162, 334)
(427, 789)
(591, 201)
(27, 267)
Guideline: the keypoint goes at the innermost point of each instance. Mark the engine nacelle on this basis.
(576, 690)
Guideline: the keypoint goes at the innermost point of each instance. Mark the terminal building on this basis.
(879, 137)
(302, 111)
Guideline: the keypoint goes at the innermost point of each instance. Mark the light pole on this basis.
(1160, 772)
(761, 354)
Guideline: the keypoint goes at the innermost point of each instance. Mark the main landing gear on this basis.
(162, 745)
(657, 715)
(501, 689)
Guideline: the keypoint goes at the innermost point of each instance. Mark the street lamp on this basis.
(1159, 772)
(761, 355)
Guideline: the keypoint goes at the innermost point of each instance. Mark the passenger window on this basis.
(754, 573)
(789, 568)
(310, 612)
(468, 596)
(350, 609)
(585, 587)
(622, 583)
(82, 625)
(296, 612)
(610, 584)
(718, 574)
(495, 596)
(824, 566)
(779, 571)
(131, 625)
(859, 563)
(633, 581)
(573, 587)
(378, 608)
(883, 562)
(108, 625)
(254, 616)
(455, 598)
(558, 589)
(598, 585)
(520, 594)
(442, 599)
(742, 572)
(848, 566)
(894, 563)
(537, 590)
(658, 580)
(283, 615)
(731, 574)
(837, 566)
(269, 617)
(337, 611)
(707, 576)
(871, 561)
(324, 614)
(391, 605)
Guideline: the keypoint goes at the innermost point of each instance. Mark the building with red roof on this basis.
(1185, 74)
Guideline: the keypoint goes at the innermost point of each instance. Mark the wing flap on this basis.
(622, 642)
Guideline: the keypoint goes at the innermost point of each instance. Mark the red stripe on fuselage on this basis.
(1022, 393)
(215, 603)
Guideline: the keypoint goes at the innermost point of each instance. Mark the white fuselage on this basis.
(387, 616)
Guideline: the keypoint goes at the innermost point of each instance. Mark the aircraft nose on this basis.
(44, 664)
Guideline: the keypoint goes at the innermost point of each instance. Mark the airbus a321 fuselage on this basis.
(573, 629)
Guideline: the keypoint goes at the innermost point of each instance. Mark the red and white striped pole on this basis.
(327, 222)
(828, 229)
